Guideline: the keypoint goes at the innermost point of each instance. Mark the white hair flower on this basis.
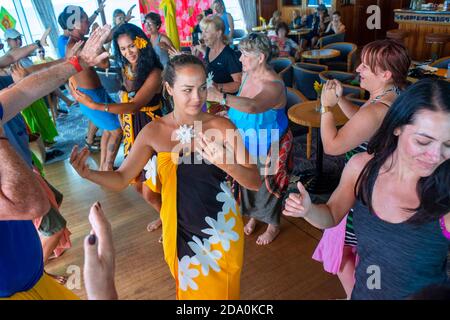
(209, 80)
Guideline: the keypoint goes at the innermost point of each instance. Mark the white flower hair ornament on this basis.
(209, 80)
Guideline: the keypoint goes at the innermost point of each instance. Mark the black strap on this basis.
(384, 103)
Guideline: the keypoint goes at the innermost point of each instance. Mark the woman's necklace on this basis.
(185, 132)
(385, 92)
(129, 74)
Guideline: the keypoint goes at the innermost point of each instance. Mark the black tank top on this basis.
(407, 257)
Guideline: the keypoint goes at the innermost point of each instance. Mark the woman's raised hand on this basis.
(217, 152)
(80, 96)
(44, 37)
(298, 204)
(338, 88)
(78, 161)
(329, 97)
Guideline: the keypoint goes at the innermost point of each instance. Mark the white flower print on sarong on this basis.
(186, 275)
(221, 231)
(150, 169)
(204, 256)
(229, 203)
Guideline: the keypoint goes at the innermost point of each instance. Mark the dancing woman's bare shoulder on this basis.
(357, 163)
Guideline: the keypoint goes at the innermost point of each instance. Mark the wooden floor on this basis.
(281, 270)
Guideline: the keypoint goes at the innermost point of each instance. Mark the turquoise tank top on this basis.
(259, 130)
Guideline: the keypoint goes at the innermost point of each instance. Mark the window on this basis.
(91, 5)
(9, 6)
(315, 3)
(27, 22)
(234, 9)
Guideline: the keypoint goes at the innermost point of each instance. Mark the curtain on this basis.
(248, 8)
(44, 9)
(168, 6)
(186, 13)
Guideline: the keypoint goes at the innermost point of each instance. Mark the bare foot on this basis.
(152, 226)
(250, 226)
(268, 236)
(60, 279)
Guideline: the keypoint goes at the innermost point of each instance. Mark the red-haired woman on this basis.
(383, 72)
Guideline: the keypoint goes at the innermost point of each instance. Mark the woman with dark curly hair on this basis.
(140, 95)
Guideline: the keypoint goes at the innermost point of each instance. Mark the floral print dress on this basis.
(202, 226)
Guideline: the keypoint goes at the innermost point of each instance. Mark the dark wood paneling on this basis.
(355, 19)
(265, 8)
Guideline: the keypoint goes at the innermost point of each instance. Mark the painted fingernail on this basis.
(92, 239)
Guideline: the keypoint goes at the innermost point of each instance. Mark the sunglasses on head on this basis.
(253, 36)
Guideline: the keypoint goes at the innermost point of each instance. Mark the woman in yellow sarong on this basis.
(202, 226)
(140, 94)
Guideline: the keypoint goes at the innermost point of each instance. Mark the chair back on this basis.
(347, 59)
(304, 81)
(239, 33)
(312, 66)
(343, 77)
(338, 75)
(332, 38)
(441, 63)
(293, 96)
(283, 66)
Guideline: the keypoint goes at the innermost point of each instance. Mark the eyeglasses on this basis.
(41, 52)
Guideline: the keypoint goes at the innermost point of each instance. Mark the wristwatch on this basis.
(223, 102)
(324, 109)
(38, 43)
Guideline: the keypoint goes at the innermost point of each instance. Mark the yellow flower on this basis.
(262, 20)
(140, 43)
(318, 87)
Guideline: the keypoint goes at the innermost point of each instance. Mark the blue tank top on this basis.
(21, 257)
(406, 257)
(259, 130)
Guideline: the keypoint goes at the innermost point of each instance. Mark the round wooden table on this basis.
(299, 33)
(305, 114)
(262, 29)
(321, 54)
(302, 31)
